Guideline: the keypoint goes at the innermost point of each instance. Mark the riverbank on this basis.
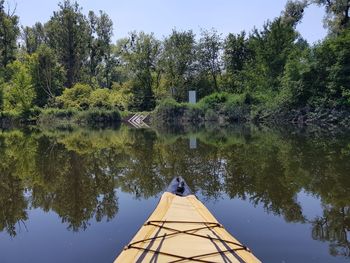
(60, 117)
(218, 109)
(224, 109)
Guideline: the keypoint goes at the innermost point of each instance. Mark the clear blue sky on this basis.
(161, 16)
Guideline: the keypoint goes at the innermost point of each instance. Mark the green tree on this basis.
(235, 57)
(297, 81)
(9, 32)
(337, 14)
(33, 37)
(333, 226)
(271, 48)
(319, 77)
(101, 60)
(68, 35)
(294, 11)
(13, 203)
(209, 58)
(47, 75)
(140, 55)
(178, 62)
(339, 72)
(19, 92)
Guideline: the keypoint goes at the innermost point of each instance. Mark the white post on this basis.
(192, 96)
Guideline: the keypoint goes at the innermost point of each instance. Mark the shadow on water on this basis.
(77, 173)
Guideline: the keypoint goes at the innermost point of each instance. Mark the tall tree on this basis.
(101, 61)
(236, 55)
(68, 35)
(33, 37)
(19, 92)
(294, 11)
(140, 54)
(9, 32)
(270, 48)
(337, 14)
(47, 75)
(178, 62)
(209, 56)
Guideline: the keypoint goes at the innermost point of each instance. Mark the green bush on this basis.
(213, 101)
(76, 97)
(73, 116)
(215, 107)
(18, 94)
(119, 100)
(100, 98)
(83, 97)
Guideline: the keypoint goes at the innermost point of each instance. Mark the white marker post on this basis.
(192, 96)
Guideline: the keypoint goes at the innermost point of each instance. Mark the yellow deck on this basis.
(173, 216)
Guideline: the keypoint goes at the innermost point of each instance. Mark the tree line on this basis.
(70, 61)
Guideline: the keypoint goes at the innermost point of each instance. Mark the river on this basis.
(80, 195)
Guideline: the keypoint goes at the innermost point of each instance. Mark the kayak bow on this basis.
(181, 229)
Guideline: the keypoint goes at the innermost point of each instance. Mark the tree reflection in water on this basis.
(77, 174)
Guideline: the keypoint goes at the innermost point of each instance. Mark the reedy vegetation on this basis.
(70, 62)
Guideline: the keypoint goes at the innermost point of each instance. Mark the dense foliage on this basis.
(70, 62)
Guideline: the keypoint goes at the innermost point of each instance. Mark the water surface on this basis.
(80, 196)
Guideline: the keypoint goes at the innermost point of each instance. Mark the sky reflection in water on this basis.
(69, 196)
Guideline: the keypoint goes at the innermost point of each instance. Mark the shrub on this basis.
(119, 100)
(83, 97)
(213, 101)
(100, 98)
(216, 107)
(76, 97)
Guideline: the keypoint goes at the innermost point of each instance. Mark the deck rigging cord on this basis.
(197, 258)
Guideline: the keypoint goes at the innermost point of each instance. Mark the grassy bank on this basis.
(224, 109)
(221, 108)
(60, 117)
(89, 117)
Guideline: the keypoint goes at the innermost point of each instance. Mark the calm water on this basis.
(79, 196)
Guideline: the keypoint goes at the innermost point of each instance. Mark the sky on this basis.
(161, 16)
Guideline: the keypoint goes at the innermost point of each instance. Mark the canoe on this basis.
(181, 229)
